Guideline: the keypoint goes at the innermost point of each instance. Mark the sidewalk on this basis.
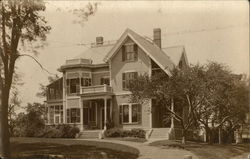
(146, 151)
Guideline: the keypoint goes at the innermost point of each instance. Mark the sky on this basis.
(209, 30)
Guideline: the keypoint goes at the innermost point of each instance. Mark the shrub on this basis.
(126, 133)
(52, 133)
(140, 133)
(60, 131)
(116, 132)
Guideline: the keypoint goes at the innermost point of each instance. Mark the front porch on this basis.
(95, 113)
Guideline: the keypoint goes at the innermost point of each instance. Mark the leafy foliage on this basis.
(31, 123)
(116, 132)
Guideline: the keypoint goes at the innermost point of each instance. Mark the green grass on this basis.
(205, 151)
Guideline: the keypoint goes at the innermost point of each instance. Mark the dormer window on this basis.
(129, 52)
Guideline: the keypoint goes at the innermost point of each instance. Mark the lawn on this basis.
(27, 148)
(205, 151)
(131, 139)
(43, 150)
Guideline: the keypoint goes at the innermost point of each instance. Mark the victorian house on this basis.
(93, 89)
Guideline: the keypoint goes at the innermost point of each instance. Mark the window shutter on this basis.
(135, 75)
(67, 86)
(82, 82)
(123, 81)
(77, 85)
(136, 52)
(102, 82)
(139, 113)
(68, 115)
(123, 53)
(120, 114)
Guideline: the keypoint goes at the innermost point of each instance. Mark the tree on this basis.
(225, 101)
(32, 122)
(182, 89)
(21, 21)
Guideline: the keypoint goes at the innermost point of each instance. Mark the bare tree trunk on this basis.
(4, 126)
(219, 129)
(183, 141)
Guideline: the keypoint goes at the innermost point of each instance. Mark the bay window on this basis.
(86, 80)
(73, 86)
(105, 80)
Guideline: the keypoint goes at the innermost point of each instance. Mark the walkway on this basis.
(146, 151)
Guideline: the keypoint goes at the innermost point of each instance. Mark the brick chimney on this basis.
(157, 37)
(99, 40)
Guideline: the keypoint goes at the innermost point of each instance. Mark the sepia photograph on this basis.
(124, 79)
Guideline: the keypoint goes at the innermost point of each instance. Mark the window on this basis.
(130, 113)
(73, 115)
(73, 86)
(55, 114)
(86, 80)
(125, 115)
(105, 80)
(127, 79)
(129, 52)
(51, 114)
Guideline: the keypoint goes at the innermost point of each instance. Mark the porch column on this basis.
(105, 113)
(172, 109)
(48, 117)
(81, 118)
(150, 113)
(110, 108)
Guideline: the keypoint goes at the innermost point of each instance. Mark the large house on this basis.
(93, 89)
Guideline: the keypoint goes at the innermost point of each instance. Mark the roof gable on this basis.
(153, 51)
(176, 54)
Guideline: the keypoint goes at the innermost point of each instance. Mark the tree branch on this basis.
(37, 63)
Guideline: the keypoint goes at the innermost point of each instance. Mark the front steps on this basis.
(89, 134)
(160, 133)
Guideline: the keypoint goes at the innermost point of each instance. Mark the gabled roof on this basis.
(152, 50)
(175, 53)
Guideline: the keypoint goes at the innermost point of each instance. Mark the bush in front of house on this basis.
(60, 131)
(116, 132)
(140, 133)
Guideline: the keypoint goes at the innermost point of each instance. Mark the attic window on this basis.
(129, 52)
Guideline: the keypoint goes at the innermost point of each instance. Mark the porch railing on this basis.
(96, 89)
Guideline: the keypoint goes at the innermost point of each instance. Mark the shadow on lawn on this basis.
(204, 150)
(52, 151)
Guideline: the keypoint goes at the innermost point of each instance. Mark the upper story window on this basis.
(129, 52)
(127, 79)
(105, 80)
(86, 80)
(73, 83)
(55, 90)
(73, 86)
